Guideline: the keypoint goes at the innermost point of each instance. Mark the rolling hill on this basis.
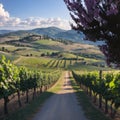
(5, 31)
(52, 32)
(19, 46)
(58, 33)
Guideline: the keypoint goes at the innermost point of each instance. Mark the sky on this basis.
(29, 14)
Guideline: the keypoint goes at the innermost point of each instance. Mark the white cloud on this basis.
(8, 22)
(3, 13)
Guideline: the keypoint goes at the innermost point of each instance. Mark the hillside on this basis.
(5, 31)
(36, 52)
(52, 45)
(51, 32)
(58, 33)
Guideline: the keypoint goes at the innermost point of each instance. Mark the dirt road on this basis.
(61, 106)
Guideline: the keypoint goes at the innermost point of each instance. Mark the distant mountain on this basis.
(13, 35)
(20, 33)
(52, 32)
(70, 35)
(5, 31)
(58, 33)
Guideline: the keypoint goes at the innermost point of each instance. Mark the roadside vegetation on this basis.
(28, 111)
(91, 111)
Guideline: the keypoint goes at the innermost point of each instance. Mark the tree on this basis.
(99, 20)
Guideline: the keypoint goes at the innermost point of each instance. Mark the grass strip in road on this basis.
(91, 112)
(58, 85)
(27, 112)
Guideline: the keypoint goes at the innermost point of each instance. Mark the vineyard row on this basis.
(104, 86)
(15, 79)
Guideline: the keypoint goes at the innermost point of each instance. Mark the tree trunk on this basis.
(106, 106)
(90, 93)
(100, 101)
(45, 88)
(27, 99)
(111, 108)
(114, 112)
(34, 93)
(6, 100)
(95, 97)
(19, 100)
(87, 90)
(41, 89)
(100, 96)
(80, 85)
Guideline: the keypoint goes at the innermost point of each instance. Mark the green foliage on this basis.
(108, 85)
(14, 79)
(8, 77)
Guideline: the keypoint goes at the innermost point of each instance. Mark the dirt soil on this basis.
(61, 106)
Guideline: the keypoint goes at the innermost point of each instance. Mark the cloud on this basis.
(4, 15)
(8, 22)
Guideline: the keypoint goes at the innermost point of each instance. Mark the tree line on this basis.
(15, 79)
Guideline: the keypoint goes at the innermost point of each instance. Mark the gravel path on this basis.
(61, 106)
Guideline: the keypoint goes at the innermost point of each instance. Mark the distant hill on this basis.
(13, 35)
(58, 33)
(5, 31)
(52, 32)
(20, 33)
(70, 35)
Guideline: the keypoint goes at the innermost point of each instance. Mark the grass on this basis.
(48, 45)
(47, 42)
(82, 67)
(9, 56)
(27, 112)
(8, 47)
(91, 112)
(33, 61)
(68, 55)
(29, 51)
(58, 85)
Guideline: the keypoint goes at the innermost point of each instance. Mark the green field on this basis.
(52, 54)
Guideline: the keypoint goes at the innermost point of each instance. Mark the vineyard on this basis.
(21, 80)
(36, 65)
(51, 63)
(60, 63)
(60, 60)
(71, 64)
(102, 87)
